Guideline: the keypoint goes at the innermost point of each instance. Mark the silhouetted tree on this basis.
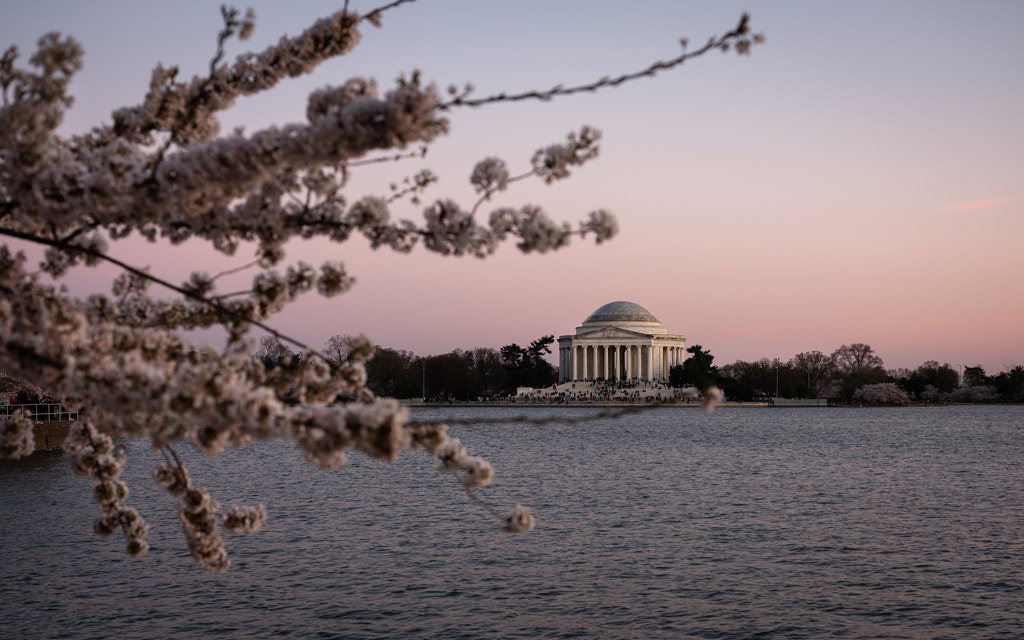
(857, 365)
(391, 372)
(1010, 384)
(931, 381)
(527, 367)
(486, 365)
(743, 380)
(816, 367)
(697, 370)
(975, 377)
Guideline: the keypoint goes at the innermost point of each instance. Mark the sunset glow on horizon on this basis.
(857, 178)
(980, 204)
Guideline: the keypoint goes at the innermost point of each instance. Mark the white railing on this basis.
(49, 412)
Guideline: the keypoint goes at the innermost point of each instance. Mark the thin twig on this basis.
(491, 510)
(490, 192)
(235, 270)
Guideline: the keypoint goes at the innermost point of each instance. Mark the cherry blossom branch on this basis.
(418, 184)
(231, 24)
(125, 361)
(192, 295)
(92, 454)
(739, 35)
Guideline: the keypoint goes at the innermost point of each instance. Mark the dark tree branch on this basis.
(721, 42)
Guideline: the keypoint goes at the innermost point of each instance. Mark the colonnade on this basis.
(616, 361)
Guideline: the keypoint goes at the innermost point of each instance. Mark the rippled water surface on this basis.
(748, 523)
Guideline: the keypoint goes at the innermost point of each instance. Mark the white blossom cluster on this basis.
(162, 169)
(553, 162)
(16, 438)
(244, 519)
(92, 454)
(881, 393)
(520, 521)
(197, 511)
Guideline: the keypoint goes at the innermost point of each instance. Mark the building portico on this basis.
(619, 341)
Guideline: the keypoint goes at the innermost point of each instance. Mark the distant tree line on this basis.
(852, 373)
(481, 372)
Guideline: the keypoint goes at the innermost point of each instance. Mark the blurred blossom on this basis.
(521, 521)
(16, 439)
(244, 519)
(489, 175)
(713, 397)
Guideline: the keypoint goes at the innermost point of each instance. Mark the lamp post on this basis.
(776, 377)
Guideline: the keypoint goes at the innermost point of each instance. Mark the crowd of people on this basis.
(633, 390)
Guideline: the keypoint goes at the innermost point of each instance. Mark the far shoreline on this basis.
(573, 405)
(419, 404)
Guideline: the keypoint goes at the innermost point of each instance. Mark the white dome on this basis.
(621, 311)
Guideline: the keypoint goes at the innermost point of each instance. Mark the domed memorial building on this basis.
(619, 341)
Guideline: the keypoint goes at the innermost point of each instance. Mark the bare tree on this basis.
(857, 365)
(850, 357)
(337, 349)
(273, 353)
(816, 367)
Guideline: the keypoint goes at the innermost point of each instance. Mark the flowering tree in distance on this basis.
(881, 393)
(161, 169)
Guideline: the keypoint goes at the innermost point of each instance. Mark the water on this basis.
(748, 523)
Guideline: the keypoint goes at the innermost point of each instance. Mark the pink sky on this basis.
(857, 179)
